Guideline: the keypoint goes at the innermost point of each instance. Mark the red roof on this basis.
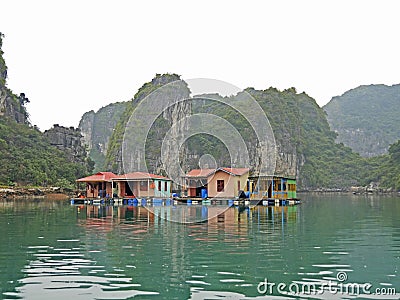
(138, 176)
(200, 172)
(99, 177)
(208, 172)
(235, 171)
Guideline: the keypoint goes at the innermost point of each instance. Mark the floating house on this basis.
(221, 182)
(142, 184)
(98, 185)
(272, 187)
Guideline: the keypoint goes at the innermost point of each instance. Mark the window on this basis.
(159, 185)
(220, 185)
(238, 185)
(165, 186)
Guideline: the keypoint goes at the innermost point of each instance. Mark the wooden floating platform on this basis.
(183, 201)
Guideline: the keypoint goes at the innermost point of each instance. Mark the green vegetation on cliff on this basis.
(97, 128)
(366, 118)
(303, 137)
(299, 122)
(306, 145)
(27, 156)
(385, 169)
(3, 66)
(113, 160)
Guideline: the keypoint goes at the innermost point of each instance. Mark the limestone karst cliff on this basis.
(69, 140)
(97, 128)
(366, 118)
(11, 105)
(165, 116)
(30, 157)
(305, 145)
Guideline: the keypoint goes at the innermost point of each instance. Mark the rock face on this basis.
(305, 145)
(176, 149)
(366, 118)
(161, 115)
(11, 106)
(69, 140)
(3, 67)
(127, 135)
(97, 128)
(28, 156)
(86, 125)
(298, 123)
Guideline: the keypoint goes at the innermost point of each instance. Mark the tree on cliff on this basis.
(26, 155)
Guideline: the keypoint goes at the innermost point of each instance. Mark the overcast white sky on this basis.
(70, 57)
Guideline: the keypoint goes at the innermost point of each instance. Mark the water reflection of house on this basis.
(142, 184)
(111, 214)
(101, 219)
(221, 182)
(99, 184)
(272, 187)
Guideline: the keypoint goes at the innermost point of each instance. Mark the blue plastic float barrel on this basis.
(157, 202)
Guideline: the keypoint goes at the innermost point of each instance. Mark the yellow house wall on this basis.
(230, 184)
(243, 183)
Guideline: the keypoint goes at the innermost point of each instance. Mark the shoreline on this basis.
(35, 192)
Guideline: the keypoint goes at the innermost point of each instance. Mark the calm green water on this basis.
(52, 250)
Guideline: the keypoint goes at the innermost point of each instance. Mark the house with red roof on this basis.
(220, 182)
(142, 184)
(98, 185)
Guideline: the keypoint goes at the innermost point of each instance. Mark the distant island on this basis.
(366, 118)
